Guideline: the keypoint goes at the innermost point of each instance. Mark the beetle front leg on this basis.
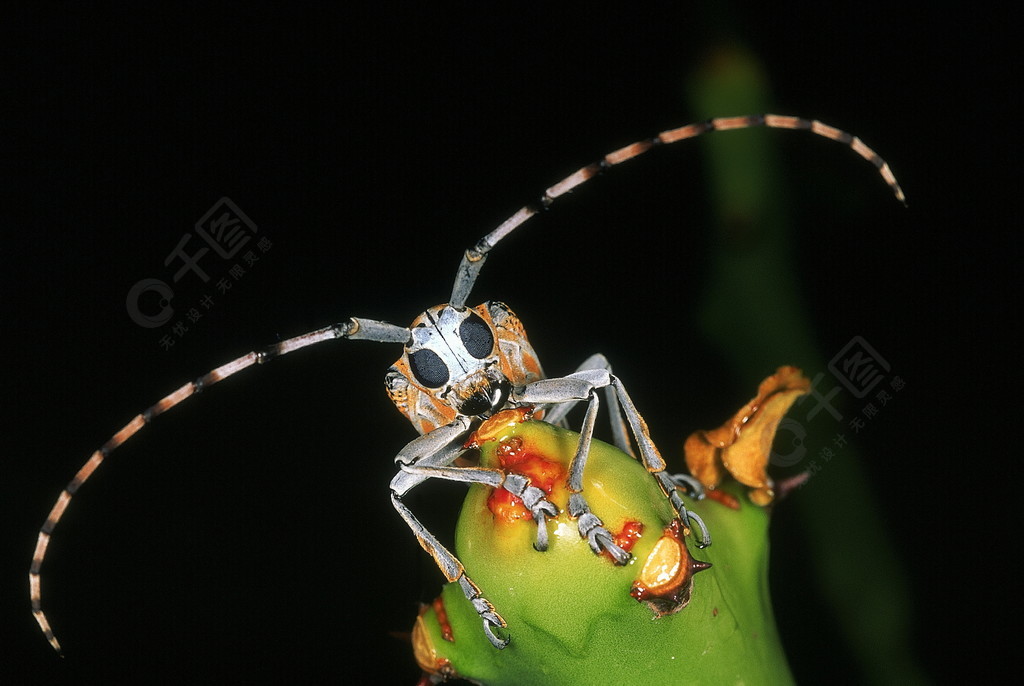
(441, 447)
(494, 624)
(518, 485)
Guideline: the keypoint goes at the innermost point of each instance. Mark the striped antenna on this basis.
(355, 329)
(474, 258)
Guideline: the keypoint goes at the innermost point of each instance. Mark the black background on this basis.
(249, 536)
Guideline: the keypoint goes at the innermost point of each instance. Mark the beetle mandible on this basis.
(460, 365)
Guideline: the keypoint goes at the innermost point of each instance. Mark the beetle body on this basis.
(460, 366)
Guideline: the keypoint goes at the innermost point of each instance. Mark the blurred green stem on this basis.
(752, 312)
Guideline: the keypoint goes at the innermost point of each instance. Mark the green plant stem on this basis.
(752, 311)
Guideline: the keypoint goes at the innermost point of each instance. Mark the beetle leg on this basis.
(579, 386)
(493, 623)
(441, 447)
(590, 526)
(620, 435)
(652, 459)
(582, 385)
(536, 502)
(518, 485)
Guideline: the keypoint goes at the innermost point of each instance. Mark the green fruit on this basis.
(571, 615)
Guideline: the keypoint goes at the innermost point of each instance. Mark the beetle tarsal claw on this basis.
(592, 529)
(693, 488)
(535, 500)
(496, 633)
(488, 615)
(601, 539)
(541, 511)
(541, 544)
(494, 625)
(705, 536)
(670, 483)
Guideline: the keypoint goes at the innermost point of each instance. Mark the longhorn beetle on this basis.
(459, 366)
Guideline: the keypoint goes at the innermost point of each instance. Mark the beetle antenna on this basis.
(355, 329)
(474, 258)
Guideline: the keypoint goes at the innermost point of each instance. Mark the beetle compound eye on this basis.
(476, 336)
(428, 368)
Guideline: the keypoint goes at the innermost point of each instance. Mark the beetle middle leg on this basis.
(620, 436)
(556, 414)
(583, 385)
